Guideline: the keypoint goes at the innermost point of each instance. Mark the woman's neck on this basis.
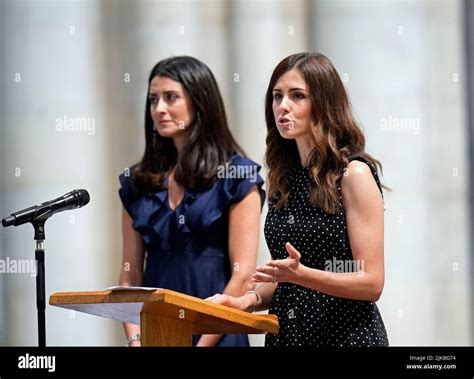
(179, 142)
(305, 146)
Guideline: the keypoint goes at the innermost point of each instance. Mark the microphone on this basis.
(71, 200)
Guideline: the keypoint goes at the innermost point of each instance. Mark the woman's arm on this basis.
(249, 302)
(364, 216)
(244, 226)
(131, 273)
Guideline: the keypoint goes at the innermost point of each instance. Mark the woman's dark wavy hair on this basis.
(210, 142)
(336, 133)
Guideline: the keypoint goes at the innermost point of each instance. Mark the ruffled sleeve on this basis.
(240, 176)
(146, 211)
(126, 192)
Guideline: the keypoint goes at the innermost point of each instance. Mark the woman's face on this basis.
(171, 107)
(292, 105)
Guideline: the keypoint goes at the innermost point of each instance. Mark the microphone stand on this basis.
(40, 281)
(37, 216)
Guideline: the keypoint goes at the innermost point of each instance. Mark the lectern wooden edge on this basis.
(167, 318)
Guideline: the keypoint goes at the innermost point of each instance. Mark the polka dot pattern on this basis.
(308, 317)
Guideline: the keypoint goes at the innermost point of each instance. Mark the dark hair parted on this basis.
(336, 134)
(210, 141)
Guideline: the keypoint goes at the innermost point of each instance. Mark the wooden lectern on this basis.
(167, 318)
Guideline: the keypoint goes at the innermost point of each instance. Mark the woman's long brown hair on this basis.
(336, 134)
(210, 142)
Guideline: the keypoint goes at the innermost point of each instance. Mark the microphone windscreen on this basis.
(84, 197)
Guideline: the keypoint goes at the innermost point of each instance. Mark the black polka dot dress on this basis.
(308, 317)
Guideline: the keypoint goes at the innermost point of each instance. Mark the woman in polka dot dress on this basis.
(324, 226)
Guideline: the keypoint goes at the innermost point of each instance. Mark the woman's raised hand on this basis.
(281, 270)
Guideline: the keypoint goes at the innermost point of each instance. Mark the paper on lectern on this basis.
(124, 288)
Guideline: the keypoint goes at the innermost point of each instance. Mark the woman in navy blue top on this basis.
(192, 205)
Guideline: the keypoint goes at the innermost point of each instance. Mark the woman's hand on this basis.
(281, 270)
(230, 301)
(240, 303)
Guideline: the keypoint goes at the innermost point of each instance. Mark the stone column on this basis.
(262, 34)
(402, 65)
(55, 138)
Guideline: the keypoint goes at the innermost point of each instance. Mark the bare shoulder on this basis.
(358, 183)
(357, 172)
